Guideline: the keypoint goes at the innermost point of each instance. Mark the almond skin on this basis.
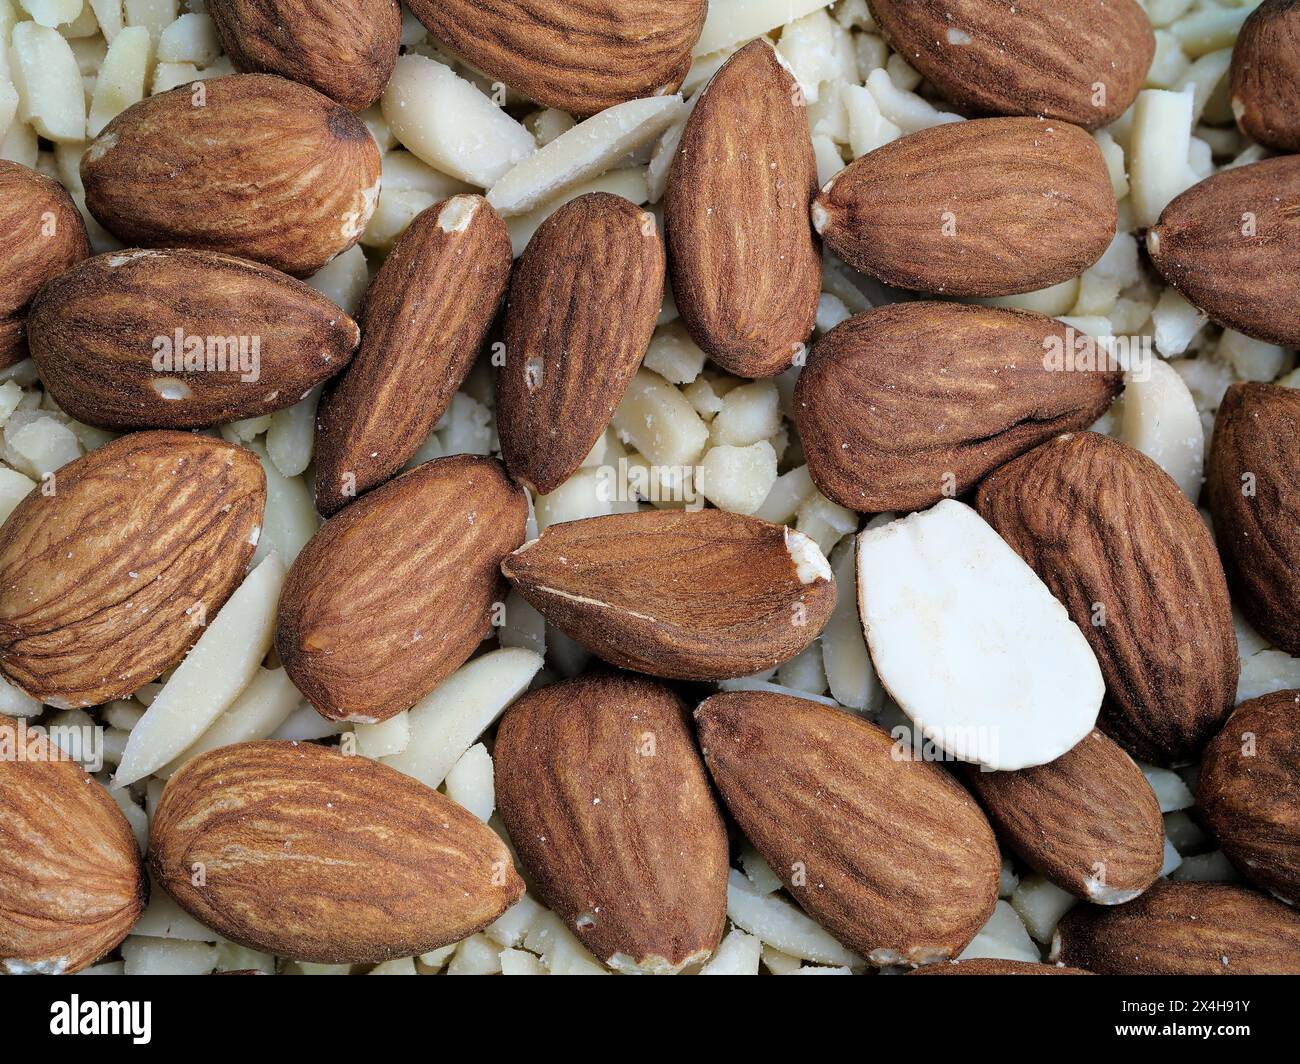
(746, 267)
(308, 853)
(344, 49)
(581, 58)
(1083, 61)
(1266, 75)
(1155, 610)
(1183, 929)
(41, 235)
(71, 880)
(876, 386)
(100, 580)
(700, 595)
(1253, 491)
(890, 855)
(992, 966)
(583, 306)
(394, 593)
(248, 165)
(98, 332)
(1231, 245)
(610, 809)
(1018, 204)
(424, 319)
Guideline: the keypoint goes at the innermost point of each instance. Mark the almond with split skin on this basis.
(608, 805)
(109, 571)
(992, 966)
(583, 305)
(249, 165)
(424, 318)
(1018, 204)
(1266, 75)
(746, 267)
(304, 852)
(908, 404)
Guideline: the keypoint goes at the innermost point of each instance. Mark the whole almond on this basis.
(746, 268)
(71, 880)
(992, 966)
(249, 165)
(1266, 75)
(690, 595)
(583, 305)
(876, 386)
(424, 318)
(395, 592)
(301, 851)
(888, 854)
(109, 570)
(182, 339)
(1118, 543)
(1016, 205)
(608, 805)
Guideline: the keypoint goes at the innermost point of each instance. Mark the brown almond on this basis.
(992, 966)
(1266, 75)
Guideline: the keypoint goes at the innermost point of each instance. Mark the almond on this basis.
(71, 880)
(1118, 543)
(394, 593)
(41, 235)
(991, 966)
(907, 404)
(182, 339)
(746, 267)
(608, 805)
(690, 595)
(424, 318)
(888, 854)
(579, 58)
(1083, 61)
(249, 164)
(345, 49)
(1231, 245)
(304, 852)
(1012, 205)
(583, 306)
(1266, 75)
(1183, 929)
(108, 572)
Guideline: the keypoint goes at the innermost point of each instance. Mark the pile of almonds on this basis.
(1043, 603)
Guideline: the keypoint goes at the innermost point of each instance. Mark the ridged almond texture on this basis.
(71, 880)
(1266, 75)
(41, 235)
(249, 165)
(688, 595)
(583, 305)
(746, 267)
(424, 319)
(1253, 491)
(182, 339)
(1118, 543)
(1088, 821)
(1083, 61)
(994, 966)
(1183, 929)
(394, 593)
(304, 852)
(581, 58)
(345, 49)
(1231, 245)
(888, 854)
(991, 207)
(109, 570)
(611, 811)
(908, 404)
(1248, 791)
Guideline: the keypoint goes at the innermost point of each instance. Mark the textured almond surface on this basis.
(992, 966)
(608, 804)
(1266, 75)
(991, 207)
(308, 853)
(745, 264)
(250, 165)
(424, 318)
(583, 306)
(105, 583)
